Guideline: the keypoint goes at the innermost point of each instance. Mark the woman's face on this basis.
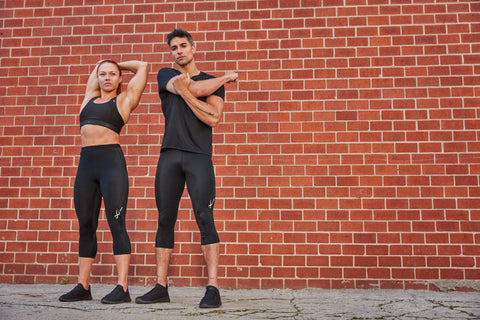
(109, 77)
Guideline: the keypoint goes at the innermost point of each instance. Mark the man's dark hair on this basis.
(180, 33)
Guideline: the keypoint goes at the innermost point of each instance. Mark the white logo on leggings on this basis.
(118, 212)
(210, 205)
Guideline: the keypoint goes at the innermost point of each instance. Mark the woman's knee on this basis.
(121, 244)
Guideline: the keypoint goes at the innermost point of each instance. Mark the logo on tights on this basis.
(118, 212)
(210, 205)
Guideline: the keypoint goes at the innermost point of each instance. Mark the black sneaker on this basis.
(116, 296)
(158, 294)
(211, 298)
(77, 294)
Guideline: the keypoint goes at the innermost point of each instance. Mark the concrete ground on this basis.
(22, 302)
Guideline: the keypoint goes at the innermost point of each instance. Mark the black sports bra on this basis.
(102, 114)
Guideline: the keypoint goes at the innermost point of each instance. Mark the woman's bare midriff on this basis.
(93, 135)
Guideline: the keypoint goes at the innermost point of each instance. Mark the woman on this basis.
(102, 171)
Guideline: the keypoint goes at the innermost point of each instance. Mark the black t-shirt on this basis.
(183, 130)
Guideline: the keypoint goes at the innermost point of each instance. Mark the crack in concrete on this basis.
(46, 306)
(457, 308)
(90, 308)
(25, 302)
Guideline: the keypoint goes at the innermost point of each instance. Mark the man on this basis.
(192, 103)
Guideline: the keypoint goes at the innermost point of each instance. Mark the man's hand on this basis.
(181, 82)
(231, 76)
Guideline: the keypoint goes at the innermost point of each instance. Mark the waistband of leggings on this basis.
(101, 147)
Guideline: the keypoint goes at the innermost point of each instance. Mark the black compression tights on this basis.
(101, 172)
(174, 168)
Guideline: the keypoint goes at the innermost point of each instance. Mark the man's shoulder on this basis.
(167, 70)
(203, 76)
(165, 74)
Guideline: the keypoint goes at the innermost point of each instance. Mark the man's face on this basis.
(182, 51)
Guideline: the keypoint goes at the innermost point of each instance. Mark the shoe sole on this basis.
(115, 302)
(139, 301)
(210, 306)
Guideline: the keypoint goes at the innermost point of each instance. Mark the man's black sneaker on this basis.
(116, 296)
(158, 294)
(77, 294)
(211, 298)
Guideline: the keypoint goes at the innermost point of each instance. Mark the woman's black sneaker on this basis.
(158, 294)
(116, 296)
(77, 294)
(211, 298)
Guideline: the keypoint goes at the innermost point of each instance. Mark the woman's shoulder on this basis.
(87, 100)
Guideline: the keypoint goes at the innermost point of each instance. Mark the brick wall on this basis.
(348, 156)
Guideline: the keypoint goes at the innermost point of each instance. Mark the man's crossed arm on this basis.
(209, 112)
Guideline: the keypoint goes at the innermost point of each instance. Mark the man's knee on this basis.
(208, 231)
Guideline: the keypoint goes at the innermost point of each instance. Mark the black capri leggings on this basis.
(174, 168)
(102, 171)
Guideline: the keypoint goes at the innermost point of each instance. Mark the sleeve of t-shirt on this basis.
(163, 76)
(220, 92)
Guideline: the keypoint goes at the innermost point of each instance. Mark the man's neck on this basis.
(190, 68)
